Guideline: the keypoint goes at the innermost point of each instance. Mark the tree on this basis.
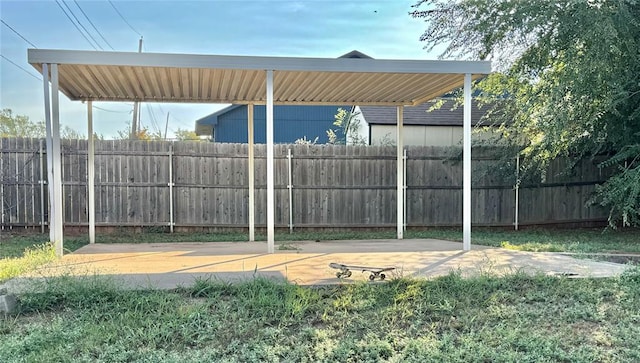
(184, 135)
(568, 82)
(19, 125)
(71, 134)
(304, 141)
(22, 126)
(143, 133)
(348, 127)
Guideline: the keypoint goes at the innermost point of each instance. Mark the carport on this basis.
(91, 76)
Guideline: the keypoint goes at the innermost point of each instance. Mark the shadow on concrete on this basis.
(434, 265)
(168, 265)
(241, 258)
(80, 262)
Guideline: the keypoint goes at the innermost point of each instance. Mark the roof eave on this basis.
(356, 65)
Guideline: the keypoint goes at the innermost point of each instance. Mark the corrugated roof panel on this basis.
(290, 83)
(305, 88)
(143, 81)
(148, 74)
(110, 81)
(350, 86)
(186, 79)
(74, 83)
(257, 86)
(300, 86)
(136, 84)
(163, 86)
(120, 76)
(399, 81)
(241, 91)
(174, 81)
(223, 80)
(205, 84)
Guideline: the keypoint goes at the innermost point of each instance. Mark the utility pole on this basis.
(134, 123)
(166, 126)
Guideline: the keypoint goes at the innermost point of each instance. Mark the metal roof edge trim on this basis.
(215, 115)
(172, 60)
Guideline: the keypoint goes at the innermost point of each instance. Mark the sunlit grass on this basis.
(532, 247)
(31, 258)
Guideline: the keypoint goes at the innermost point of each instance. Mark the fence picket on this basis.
(333, 186)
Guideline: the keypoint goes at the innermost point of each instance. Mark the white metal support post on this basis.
(57, 209)
(466, 177)
(49, 139)
(270, 173)
(2, 192)
(400, 173)
(171, 184)
(91, 174)
(252, 178)
(517, 187)
(41, 182)
(404, 187)
(290, 187)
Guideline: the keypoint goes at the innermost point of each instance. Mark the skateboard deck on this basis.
(345, 270)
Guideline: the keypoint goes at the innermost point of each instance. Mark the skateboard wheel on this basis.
(338, 274)
(372, 277)
(383, 276)
(347, 274)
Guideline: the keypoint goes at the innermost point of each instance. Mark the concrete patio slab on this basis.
(170, 265)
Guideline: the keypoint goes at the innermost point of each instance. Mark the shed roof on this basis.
(205, 124)
(420, 115)
(163, 77)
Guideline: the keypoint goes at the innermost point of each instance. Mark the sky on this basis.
(382, 29)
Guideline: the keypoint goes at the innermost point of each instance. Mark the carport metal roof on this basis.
(154, 77)
(157, 77)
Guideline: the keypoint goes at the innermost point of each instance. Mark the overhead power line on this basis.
(18, 34)
(107, 110)
(123, 18)
(76, 25)
(80, 23)
(152, 117)
(17, 65)
(94, 27)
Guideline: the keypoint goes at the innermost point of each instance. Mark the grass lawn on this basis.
(550, 240)
(512, 318)
(515, 318)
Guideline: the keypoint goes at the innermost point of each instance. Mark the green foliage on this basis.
(32, 257)
(569, 80)
(144, 133)
(304, 141)
(71, 134)
(184, 135)
(348, 127)
(622, 191)
(19, 125)
(24, 253)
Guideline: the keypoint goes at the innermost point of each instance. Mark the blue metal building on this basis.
(291, 123)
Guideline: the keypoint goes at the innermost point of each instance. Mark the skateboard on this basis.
(345, 270)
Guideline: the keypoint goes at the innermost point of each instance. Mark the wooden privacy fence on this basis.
(201, 184)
